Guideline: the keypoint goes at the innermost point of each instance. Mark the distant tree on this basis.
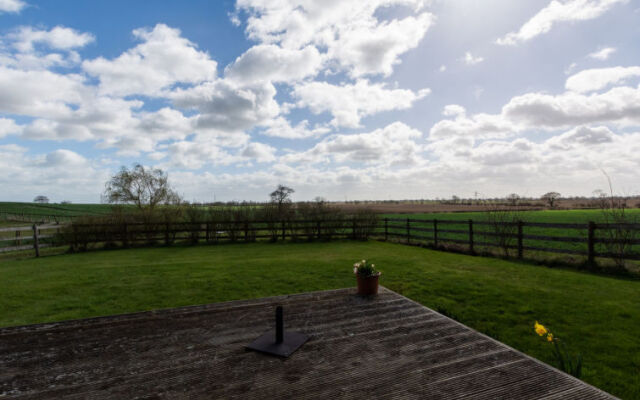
(550, 198)
(513, 199)
(65, 202)
(41, 199)
(146, 188)
(282, 195)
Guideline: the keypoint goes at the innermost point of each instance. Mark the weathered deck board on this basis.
(386, 347)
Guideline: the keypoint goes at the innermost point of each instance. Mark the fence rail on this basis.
(591, 240)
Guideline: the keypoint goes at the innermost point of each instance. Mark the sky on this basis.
(340, 99)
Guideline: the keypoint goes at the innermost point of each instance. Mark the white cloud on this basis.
(280, 127)
(596, 79)
(581, 136)
(479, 126)
(60, 174)
(59, 38)
(603, 54)
(163, 59)
(618, 105)
(469, 59)
(395, 144)
(260, 152)
(9, 127)
(555, 12)
(228, 109)
(12, 6)
(39, 93)
(354, 38)
(350, 102)
(273, 63)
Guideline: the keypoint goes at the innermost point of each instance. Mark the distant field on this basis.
(62, 210)
(546, 216)
(597, 316)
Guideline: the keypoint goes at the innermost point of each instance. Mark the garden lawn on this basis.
(595, 315)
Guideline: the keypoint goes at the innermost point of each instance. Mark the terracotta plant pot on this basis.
(367, 285)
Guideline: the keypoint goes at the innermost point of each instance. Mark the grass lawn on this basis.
(597, 316)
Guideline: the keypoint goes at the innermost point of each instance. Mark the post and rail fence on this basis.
(589, 240)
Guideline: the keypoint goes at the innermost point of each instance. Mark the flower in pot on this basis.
(367, 277)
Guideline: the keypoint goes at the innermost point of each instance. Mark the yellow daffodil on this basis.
(540, 329)
(550, 337)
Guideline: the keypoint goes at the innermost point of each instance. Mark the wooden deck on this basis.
(386, 347)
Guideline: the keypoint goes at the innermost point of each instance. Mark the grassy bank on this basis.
(597, 316)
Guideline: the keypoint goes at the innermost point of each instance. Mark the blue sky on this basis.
(386, 99)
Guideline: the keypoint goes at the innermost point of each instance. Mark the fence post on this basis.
(207, 234)
(18, 241)
(36, 245)
(125, 241)
(435, 233)
(283, 232)
(319, 232)
(408, 231)
(166, 233)
(471, 236)
(386, 228)
(520, 250)
(246, 231)
(353, 228)
(590, 243)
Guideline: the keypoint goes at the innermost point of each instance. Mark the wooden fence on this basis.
(590, 240)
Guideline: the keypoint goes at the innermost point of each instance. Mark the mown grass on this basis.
(597, 316)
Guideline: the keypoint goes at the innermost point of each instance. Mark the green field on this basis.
(597, 316)
(546, 216)
(60, 210)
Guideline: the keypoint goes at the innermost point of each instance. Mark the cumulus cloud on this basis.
(226, 108)
(395, 144)
(618, 105)
(349, 103)
(8, 127)
(603, 54)
(163, 59)
(354, 38)
(260, 152)
(59, 38)
(581, 136)
(282, 128)
(273, 63)
(596, 79)
(479, 126)
(12, 6)
(60, 174)
(558, 11)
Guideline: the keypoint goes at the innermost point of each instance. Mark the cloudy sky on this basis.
(344, 99)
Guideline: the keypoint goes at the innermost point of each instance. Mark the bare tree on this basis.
(618, 227)
(41, 199)
(143, 187)
(513, 199)
(550, 198)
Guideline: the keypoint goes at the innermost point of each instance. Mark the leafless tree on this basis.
(41, 199)
(146, 188)
(550, 198)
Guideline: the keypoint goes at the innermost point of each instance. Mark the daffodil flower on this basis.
(540, 329)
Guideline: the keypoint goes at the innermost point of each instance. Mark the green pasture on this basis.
(595, 315)
(582, 217)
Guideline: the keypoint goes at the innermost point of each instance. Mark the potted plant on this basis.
(367, 277)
